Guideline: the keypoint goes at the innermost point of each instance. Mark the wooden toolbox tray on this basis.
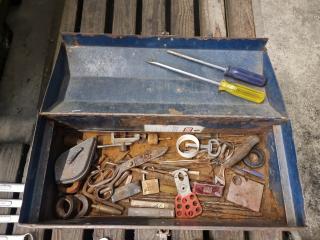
(102, 84)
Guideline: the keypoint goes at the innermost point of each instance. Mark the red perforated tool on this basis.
(187, 204)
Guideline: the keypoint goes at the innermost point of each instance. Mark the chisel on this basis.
(234, 72)
(235, 89)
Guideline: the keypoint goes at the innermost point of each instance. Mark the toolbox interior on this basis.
(272, 211)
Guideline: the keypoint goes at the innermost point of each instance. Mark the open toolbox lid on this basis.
(98, 76)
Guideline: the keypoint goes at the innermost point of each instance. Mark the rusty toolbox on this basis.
(142, 147)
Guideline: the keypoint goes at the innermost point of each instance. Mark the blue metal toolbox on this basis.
(102, 83)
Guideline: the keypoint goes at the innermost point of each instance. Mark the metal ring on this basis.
(211, 142)
(84, 206)
(255, 164)
(61, 209)
(190, 153)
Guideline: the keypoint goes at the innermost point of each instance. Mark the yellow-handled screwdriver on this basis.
(235, 89)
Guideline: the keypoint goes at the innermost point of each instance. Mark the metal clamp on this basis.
(210, 147)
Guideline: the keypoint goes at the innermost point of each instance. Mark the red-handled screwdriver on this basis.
(234, 72)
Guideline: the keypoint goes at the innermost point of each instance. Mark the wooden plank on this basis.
(69, 16)
(182, 18)
(187, 235)
(226, 235)
(141, 234)
(93, 16)
(212, 18)
(112, 234)
(124, 17)
(266, 234)
(63, 234)
(240, 21)
(10, 157)
(153, 17)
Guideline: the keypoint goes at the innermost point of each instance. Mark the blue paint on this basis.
(109, 75)
(272, 87)
(294, 178)
(163, 42)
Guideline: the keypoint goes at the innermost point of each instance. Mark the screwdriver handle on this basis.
(245, 76)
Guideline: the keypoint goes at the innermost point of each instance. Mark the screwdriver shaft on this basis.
(185, 73)
(196, 60)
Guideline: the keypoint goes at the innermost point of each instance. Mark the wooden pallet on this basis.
(186, 18)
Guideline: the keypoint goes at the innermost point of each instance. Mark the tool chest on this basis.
(107, 111)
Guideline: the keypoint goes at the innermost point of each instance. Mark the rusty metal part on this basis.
(107, 185)
(121, 156)
(92, 197)
(227, 150)
(129, 179)
(239, 153)
(74, 188)
(151, 212)
(66, 207)
(246, 193)
(123, 143)
(255, 158)
(106, 209)
(83, 206)
(242, 151)
(122, 178)
(151, 204)
(150, 186)
(214, 190)
(126, 191)
(154, 139)
(163, 178)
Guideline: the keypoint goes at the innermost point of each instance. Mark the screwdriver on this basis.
(234, 72)
(238, 90)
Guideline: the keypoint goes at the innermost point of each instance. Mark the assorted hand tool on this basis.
(234, 89)
(234, 72)
(151, 180)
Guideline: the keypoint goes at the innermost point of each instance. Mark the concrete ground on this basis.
(292, 26)
(293, 29)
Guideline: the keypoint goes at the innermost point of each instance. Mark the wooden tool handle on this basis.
(241, 151)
